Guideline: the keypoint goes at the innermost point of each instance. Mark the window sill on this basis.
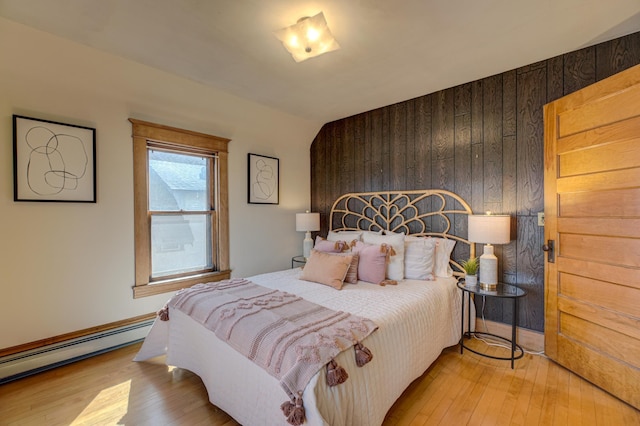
(167, 286)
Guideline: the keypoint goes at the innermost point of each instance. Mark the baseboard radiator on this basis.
(23, 364)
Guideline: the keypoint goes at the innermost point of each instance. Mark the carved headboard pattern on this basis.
(433, 212)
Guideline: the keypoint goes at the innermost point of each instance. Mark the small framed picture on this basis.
(53, 161)
(264, 179)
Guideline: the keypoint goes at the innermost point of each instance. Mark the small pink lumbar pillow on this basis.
(352, 273)
(326, 268)
(330, 246)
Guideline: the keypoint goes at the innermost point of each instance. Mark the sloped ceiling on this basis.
(390, 50)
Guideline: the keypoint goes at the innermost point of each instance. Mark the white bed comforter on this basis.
(416, 320)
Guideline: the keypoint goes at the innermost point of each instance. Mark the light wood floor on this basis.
(457, 389)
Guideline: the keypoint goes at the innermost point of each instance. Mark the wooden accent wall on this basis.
(482, 140)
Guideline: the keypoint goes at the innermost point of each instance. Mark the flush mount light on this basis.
(309, 37)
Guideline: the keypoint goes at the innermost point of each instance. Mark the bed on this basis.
(416, 319)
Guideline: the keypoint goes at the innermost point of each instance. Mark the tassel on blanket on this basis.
(363, 354)
(163, 313)
(335, 374)
(294, 411)
(287, 407)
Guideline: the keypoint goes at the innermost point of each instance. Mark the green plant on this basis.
(470, 266)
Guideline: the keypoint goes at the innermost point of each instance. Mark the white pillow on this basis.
(419, 257)
(372, 232)
(444, 247)
(347, 236)
(395, 268)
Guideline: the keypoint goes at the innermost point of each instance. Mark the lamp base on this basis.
(307, 245)
(488, 269)
(489, 287)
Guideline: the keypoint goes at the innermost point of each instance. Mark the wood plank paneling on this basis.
(492, 120)
(462, 159)
(411, 146)
(443, 131)
(347, 165)
(422, 132)
(359, 153)
(531, 99)
(509, 256)
(398, 146)
(621, 53)
(482, 140)
(579, 69)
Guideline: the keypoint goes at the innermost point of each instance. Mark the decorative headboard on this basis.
(431, 212)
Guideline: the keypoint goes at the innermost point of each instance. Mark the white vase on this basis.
(471, 280)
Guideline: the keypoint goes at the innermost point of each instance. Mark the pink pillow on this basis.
(352, 273)
(372, 264)
(326, 268)
(330, 246)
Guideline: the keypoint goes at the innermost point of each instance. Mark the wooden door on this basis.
(592, 211)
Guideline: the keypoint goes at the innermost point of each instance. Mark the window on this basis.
(180, 208)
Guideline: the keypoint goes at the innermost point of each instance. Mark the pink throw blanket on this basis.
(288, 336)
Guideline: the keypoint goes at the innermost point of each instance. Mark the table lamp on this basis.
(307, 222)
(489, 229)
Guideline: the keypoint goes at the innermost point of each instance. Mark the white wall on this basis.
(69, 266)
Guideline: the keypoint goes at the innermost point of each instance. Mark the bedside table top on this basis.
(502, 290)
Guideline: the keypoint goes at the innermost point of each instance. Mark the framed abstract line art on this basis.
(264, 179)
(53, 161)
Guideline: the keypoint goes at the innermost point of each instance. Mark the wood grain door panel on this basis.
(602, 294)
(600, 249)
(601, 339)
(592, 210)
(599, 112)
(618, 378)
(600, 158)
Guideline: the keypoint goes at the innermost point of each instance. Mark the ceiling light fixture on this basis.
(309, 37)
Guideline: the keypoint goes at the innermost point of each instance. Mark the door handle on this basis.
(550, 249)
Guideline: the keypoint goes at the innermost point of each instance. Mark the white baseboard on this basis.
(22, 364)
(529, 339)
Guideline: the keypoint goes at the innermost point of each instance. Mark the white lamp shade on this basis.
(490, 229)
(307, 222)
